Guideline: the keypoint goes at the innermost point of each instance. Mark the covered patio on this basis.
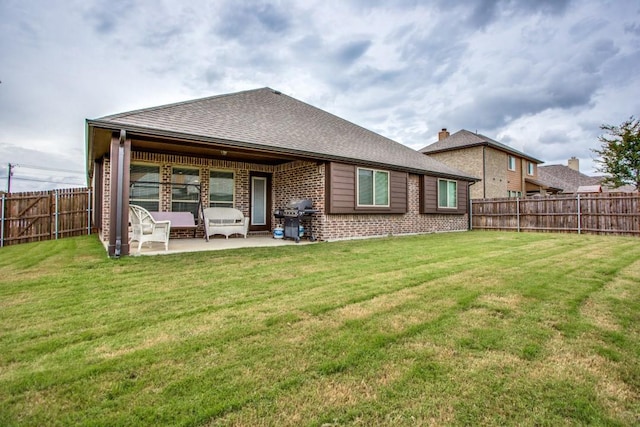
(214, 244)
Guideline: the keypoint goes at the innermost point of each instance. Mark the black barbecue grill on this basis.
(293, 214)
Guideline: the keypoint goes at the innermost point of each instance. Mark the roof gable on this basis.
(267, 119)
(566, 178)
(465, 139)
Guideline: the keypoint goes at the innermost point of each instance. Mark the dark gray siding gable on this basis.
(341, 191)
(429, 197)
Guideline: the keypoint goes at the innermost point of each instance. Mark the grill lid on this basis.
(300, 204)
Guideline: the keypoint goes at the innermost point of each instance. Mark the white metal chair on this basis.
(146, 229)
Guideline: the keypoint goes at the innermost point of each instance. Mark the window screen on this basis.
(221, 189)
(144, 187)
(185, 190)
(373, 187)
(447, 194)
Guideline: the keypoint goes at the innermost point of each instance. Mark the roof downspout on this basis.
(484, 172)
(470, 203)
(118, 249)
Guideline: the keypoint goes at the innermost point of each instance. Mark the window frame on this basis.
(448, 181)
(509, 159)
(226, 203)
(530, 169)
(145, 202)
(373, 189)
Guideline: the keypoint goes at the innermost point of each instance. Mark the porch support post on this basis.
(119, 172)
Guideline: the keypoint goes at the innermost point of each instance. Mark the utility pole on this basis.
(9, 173)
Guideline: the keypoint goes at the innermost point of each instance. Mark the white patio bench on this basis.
(225, 221)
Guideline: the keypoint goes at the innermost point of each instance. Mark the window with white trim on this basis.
(514, 193)
(221, 189)
(185, 190)
(512, 163)
(447, 194)
(373, 187)
(144, 186)
(530, 168)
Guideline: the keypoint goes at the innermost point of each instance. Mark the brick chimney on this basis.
(574, 164)
(443, 134)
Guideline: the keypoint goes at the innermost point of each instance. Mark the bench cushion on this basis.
(178, 219)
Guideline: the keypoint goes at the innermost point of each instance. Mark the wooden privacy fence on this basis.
(44, 215)
(602, 213)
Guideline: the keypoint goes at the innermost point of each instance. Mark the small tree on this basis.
(620, 154)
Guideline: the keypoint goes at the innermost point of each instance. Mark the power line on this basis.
(45, 180)
(22, 165)
(11, 167)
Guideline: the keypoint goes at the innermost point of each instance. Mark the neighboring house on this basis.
(258, 150)
(571, 180)
(504, 171)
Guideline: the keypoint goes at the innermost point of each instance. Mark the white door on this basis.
(258, 200)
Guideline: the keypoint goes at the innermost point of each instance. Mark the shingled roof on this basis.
(265, 119)
(465, 139)
(566, 178)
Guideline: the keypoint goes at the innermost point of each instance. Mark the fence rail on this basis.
(603, 213)
(44, 215)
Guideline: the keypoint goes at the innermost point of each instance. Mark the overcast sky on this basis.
(538, 75)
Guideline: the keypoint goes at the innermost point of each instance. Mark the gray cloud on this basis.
(161, 37)
(551, 137)
(599, 52)
(248, 21)
(481, 14)
(497, 108)
(586, 27)
(108, 16)
(541, 74)
(633, 28)
(349, 52)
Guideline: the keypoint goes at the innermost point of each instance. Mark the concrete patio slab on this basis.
(214, 244)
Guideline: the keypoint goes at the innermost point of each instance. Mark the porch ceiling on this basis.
(187, 147)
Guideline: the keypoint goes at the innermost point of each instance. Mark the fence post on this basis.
(55, 214)
(88, 211)
(579, 215)
(2, 224)
(518, 213)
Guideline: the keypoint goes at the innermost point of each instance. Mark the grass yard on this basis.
(474, 328)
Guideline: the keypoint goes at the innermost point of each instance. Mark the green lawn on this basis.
(472, 328)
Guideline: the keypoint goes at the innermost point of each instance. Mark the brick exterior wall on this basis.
(295, 180)
(497, 178)
(496, 173)
(301, 180)
(337, 227)
(468, 160)
(106, 194)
